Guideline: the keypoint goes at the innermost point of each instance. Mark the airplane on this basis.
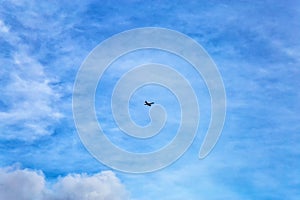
(148, 103)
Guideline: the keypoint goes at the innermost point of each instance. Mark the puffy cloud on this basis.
(104, 185)
(17, 184)
(21, 184)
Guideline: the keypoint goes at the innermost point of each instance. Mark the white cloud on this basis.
(17, 184)
(104, 185)
(30, 99)
(21, 184)
(3, 27)
(32, 87)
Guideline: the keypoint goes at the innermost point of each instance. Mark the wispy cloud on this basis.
(3, 27)
(29, 100)
(31, 92)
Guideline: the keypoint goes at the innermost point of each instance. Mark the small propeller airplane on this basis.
(148, 103)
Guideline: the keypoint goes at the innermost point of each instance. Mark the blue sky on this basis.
(255, 46)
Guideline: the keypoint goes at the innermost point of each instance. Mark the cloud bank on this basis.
(25, 184)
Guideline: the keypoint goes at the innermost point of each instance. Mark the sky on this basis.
(254, 44)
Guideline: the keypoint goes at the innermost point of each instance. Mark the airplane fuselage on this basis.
(148, 103)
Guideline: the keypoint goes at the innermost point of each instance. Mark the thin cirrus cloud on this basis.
(34, 98)
(27, 109)
(28, 98)
(25, 184)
